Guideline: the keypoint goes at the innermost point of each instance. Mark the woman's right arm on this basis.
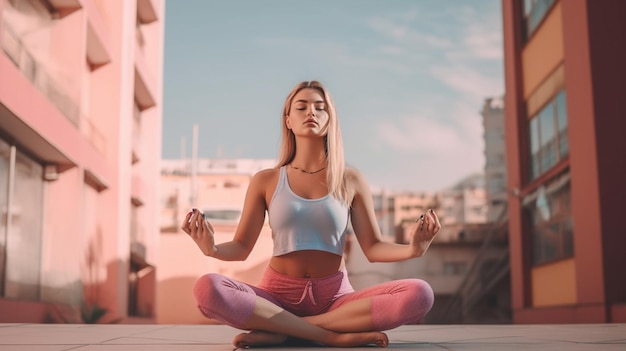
(248, 229)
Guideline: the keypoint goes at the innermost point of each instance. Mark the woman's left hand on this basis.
(424, 232)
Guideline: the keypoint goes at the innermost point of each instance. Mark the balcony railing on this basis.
(488, 271)
(36, 73)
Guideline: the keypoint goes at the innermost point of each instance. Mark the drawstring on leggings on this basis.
(308, 290)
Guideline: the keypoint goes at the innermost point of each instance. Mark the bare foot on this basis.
(360, 339)
(258, 338)
(263, 338)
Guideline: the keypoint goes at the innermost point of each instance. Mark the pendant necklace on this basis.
(307, 172)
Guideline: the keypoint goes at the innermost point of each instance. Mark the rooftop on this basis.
(155, 337)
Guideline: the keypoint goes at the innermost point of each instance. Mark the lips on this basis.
(310, 121)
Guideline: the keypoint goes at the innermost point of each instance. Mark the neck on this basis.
(310, 155)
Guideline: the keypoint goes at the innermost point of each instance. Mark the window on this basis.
(21, 203)
(549, 213)
(223, 215)
(534, 12)
(5, 162)
(548, 136)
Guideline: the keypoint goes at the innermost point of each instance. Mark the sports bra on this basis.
(306, 224)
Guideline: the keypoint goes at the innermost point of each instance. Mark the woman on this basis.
(309, 198)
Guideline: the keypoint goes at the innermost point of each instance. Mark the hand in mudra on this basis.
(424, 232)
(200, 230)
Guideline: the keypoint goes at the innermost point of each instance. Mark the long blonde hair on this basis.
(333, 144)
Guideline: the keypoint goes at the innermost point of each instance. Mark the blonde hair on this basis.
(333, 144)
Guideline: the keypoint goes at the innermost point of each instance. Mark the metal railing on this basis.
(490, 266)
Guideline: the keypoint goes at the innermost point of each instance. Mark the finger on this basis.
(185, 225)
(420, 222)
(432, 214)
(431, 227)
(430, 220)
(437, 228)
(435, 221)
(209, 226)
(194, 222)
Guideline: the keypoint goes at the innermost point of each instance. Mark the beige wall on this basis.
(554, 284)
(544, 52)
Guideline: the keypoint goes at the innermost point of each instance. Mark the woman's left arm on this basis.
(368, 233)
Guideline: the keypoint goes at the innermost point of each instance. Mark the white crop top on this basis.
(306, 224)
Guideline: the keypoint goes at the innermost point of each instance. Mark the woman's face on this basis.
(307, 114)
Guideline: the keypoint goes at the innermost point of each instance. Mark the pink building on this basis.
(80, 141)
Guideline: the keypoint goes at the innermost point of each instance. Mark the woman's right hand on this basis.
(201, 231)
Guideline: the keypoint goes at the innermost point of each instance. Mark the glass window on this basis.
(548, 136)
(534, 148)
(561, 113)
(5, 162)
(551, 224)
(23, 245)
(535, 11)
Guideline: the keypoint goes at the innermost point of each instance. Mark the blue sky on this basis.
(409, 78)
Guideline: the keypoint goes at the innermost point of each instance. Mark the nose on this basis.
(311, 112)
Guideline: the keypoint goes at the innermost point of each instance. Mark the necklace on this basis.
(307, 172)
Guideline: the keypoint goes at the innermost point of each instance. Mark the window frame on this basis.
(18, 155)
(534, 122)
(538, 8)
(558, 196)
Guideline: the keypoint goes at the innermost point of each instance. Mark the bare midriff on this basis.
(307, 264)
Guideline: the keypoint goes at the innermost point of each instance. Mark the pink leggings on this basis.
(232, 302)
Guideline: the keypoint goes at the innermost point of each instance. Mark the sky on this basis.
(409, 79)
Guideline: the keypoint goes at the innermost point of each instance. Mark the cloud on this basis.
(434, 149)
(484, 42)
(420, 134)
(406, 34)
(468, 80)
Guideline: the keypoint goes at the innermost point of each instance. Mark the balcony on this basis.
(144, 85)
(34, 120)
(136, 144)
(98, 42)
(146, 12)
(63, 8)
(137, 191)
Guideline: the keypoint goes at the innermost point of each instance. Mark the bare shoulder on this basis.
(266, 174)
(264, 178)
(354, 176)
(355, 181)
(264, 183)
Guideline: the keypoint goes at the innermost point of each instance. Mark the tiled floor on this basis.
(116, 337)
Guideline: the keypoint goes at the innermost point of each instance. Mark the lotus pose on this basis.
(310, 197)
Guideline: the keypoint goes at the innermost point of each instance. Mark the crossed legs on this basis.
(353, 319)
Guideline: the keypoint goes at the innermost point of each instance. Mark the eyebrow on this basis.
(305, 101)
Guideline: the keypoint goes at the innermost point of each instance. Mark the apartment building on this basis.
(564, 112)
(495, 158)
(80, 141)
